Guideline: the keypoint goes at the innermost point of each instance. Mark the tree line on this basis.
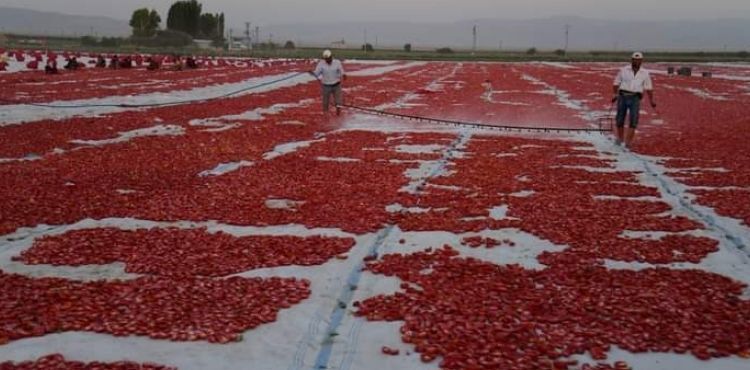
(184, 16)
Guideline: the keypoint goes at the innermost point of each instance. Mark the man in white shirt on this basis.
(629, 86)
(330, 72)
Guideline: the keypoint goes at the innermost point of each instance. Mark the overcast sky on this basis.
(285, 11)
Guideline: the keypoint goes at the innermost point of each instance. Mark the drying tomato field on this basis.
(143, 227)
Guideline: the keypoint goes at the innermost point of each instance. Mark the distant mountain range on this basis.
(55, 24)
(546, 33)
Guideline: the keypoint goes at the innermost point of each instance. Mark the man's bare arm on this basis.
(650, 94)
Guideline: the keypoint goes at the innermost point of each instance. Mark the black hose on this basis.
(475, 125)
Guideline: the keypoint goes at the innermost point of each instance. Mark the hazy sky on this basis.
(285, 11)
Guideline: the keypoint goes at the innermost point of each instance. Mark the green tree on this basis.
(145, 22)
(531, 51)
(89, 41)
(220, 29)
(407, 48)
(208, 26)
(111, 42)
(166, 38)
(185, 16)
(212, 26)
(266, 46)
(154, 21)
(290, 45)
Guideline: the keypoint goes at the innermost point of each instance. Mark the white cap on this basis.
(637, 55)
(327, 54)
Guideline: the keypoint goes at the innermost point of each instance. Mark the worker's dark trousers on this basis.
(628, 102)
(334, 90)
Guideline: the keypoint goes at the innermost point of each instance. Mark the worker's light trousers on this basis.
(334, 90)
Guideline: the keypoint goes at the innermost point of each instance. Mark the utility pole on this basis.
(257, 34)
(247, 36)
(474, 44)
(567, 37)
(365, 45)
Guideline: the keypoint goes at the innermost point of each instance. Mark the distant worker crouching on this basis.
(101, 62)
(51, 67)
(191, 63)
(72, 64)
(330, 72)
(114, 63)
(4, 62)
(126, 62)
(628, 88)
(153, 63)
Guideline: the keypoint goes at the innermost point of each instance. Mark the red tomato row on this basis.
(477, 315)
(58, 362)
(174, 252)
(178, 309)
